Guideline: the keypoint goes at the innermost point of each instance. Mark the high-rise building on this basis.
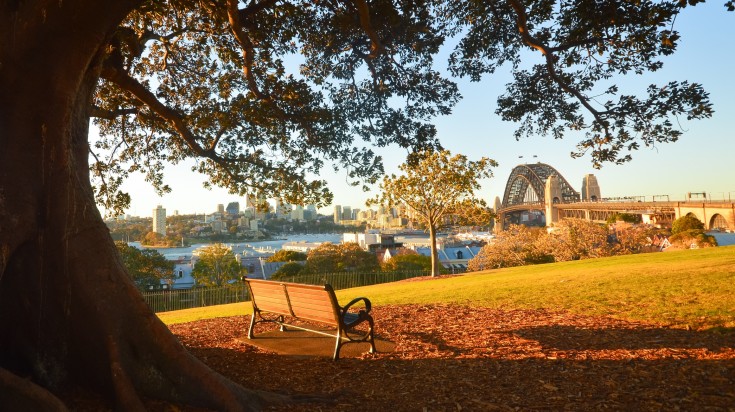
(310, 213)
(233, 208)
(159, 220)
(337, 214)
(346, 212)
(221, 209)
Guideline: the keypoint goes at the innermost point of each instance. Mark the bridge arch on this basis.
(718, 222)
(527, 183)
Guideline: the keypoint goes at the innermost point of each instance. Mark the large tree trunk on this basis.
(69, 314)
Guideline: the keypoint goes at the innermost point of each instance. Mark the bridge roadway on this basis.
(714, 215)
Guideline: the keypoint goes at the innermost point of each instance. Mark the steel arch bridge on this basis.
(526, 187)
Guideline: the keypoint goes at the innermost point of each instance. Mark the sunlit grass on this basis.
(690, 287)
(207, 312)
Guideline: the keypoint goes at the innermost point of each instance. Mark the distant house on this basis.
(387, 254)
(182, 279)
(453, 258)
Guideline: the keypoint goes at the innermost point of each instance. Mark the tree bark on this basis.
(435, 271)
(69, 313)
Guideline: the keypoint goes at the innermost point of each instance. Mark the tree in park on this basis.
(216, 266)
(284, 255)
(147, 267)
(518, 245)
(344, 257)
(288, 270)
(436, 186)
(686, 223)
(407, 262)
(577, 239)
(216, 82)
(687, 231)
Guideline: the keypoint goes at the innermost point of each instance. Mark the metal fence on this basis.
(167, 300)
(163, 301)
(346, 280)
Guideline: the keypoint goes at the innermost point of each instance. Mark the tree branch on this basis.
(522, 22)
(112, 114)
(129, 84)
(233, 13)
(364, 12)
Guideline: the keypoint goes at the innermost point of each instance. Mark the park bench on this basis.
(276, 301)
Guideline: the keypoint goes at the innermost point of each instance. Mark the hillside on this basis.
(690, 288)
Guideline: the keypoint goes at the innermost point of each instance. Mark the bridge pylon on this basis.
(590, 189)
(552, 195)
(499, 217)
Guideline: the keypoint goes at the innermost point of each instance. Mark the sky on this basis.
(703, 160)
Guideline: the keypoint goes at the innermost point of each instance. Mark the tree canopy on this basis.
(344, 257)
(266, 94)
(686, 223)
(288, 270)
(216, 266)
(147, 267)
(407, 262)
(283, 255)
(436, 186)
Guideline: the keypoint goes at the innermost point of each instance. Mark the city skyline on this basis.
(699, 162)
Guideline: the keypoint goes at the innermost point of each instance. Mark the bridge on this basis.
(538, 195)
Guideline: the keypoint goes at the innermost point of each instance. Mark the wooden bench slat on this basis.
(268, 290)
(314, 294)
(318, 306)
(316, 314)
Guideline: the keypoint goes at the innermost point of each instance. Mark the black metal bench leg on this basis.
(252, 325)
(282, 324)
(338, 346)
(373, 349)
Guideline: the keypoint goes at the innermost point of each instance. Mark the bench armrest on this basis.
(368, 306)
(350, 320)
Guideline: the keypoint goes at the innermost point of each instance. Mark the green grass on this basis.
(207, 312)
(690, 287)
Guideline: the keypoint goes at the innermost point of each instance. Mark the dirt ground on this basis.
(456, 358)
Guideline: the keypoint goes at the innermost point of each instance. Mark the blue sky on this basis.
(703, 160)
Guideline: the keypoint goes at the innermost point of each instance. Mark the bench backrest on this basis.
(308, 302)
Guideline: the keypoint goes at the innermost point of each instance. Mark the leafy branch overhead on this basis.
(585, 47)
(266, 94)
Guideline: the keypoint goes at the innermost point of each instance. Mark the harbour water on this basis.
(265, 247)
(253, 248)
(724, 239)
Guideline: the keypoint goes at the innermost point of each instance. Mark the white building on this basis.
(301, 246)
(159, 220)
(362, 239)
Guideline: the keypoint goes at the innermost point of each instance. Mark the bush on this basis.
(625, 217)
(287, 256)
(408, 262)
(288, 270)
(686, 223)
(685, 240)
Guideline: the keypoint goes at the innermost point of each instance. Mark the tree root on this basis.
(18, 394)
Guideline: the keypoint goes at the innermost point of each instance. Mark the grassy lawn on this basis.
(684, 288)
